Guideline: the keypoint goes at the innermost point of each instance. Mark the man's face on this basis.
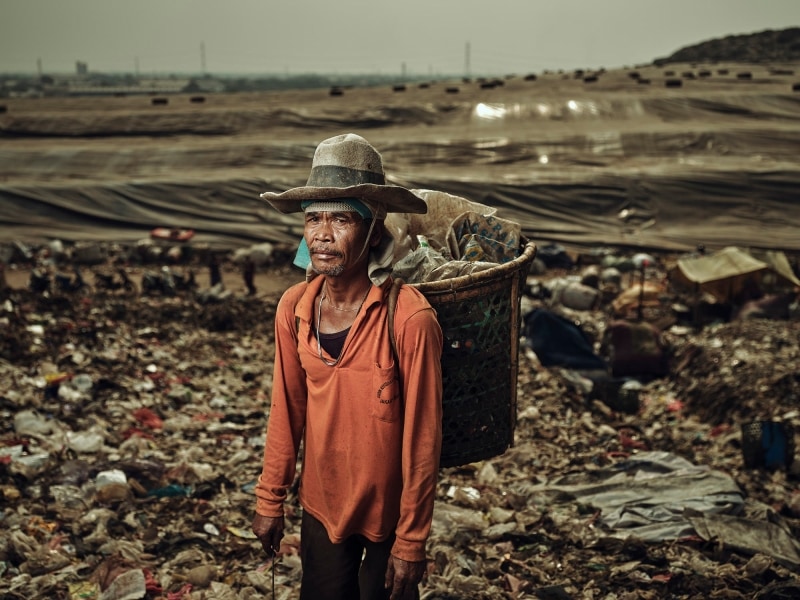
(336, 241)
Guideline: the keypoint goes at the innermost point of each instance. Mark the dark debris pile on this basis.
(132, 431)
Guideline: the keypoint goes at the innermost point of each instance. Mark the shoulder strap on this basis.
(392, 305)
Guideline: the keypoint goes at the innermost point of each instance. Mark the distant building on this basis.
(141, 86)
(82, 68)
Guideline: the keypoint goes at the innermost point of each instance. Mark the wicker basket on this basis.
(480, 319)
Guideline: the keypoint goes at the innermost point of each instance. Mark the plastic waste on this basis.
(30, 422)
(82, 382)
(417, 266)
(242, 533)
(573, 294)
(85, 442)
(69, 394)
(9, 453)
(104, 478)
(170, 491)
(83, 590)
(29, 465)
(69, 501)
(643, 260)
(611, 275)
(131, 585)
(473, 251)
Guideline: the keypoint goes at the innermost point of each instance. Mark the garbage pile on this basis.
(133, 425)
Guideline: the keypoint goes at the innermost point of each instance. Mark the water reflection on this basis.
(570, 109)
(490, 112)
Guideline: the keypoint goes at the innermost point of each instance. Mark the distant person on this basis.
(370, 423)
(214, 272)
(249, 276)
(3, 281)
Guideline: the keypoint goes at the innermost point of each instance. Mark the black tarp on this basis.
(651, 169)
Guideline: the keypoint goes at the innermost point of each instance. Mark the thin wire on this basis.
(330, 363)
(332, 305)
(274, 558)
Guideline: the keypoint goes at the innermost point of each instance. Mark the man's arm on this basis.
(419, 343)
(286, 417)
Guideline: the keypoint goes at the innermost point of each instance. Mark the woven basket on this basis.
(480, 318)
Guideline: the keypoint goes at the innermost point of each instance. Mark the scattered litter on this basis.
(133, 424)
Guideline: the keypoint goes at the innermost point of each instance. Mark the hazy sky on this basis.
(347, 36)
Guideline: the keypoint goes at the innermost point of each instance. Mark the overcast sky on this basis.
(356, 36)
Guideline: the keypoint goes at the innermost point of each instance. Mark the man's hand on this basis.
(403, 577)
(269, 530)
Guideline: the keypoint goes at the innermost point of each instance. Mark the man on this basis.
(368, 411)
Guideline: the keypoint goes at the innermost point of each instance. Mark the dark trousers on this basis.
(352, 570)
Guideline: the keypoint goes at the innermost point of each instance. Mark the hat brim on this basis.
(396, 199)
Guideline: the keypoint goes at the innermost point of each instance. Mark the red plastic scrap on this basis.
(618, 454)
(630, 442)
(719, 430)
(15, 442)
(150, 583)
(181, 594)
(136, 432)
(148, 418)
(213, 415)
(675, 406)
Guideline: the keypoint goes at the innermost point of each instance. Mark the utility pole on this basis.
(466, 61)
(203, 57)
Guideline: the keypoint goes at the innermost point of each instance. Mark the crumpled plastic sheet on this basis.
(658, 496)
(750, 536)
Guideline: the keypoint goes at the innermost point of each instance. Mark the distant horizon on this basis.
(375, 74)
(416, 38)
(239, 74)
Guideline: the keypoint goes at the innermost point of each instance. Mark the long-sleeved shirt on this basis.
(371, 442)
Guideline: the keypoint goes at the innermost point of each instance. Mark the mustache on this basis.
(324, 250)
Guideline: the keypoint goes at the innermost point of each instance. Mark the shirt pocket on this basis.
(386, 403)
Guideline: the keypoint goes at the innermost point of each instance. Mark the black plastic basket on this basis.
(767, 444)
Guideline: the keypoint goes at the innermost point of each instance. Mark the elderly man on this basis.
(367, 408)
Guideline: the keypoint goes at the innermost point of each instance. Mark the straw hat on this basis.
(348, 166)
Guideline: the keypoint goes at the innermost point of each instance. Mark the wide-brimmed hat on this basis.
(348, 166)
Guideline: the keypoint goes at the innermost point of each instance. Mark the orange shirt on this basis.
(370, 456)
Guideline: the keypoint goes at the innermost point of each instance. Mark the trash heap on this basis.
(133, 426)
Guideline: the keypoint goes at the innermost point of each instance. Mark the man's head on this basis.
(348, 169)
(338, 235)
